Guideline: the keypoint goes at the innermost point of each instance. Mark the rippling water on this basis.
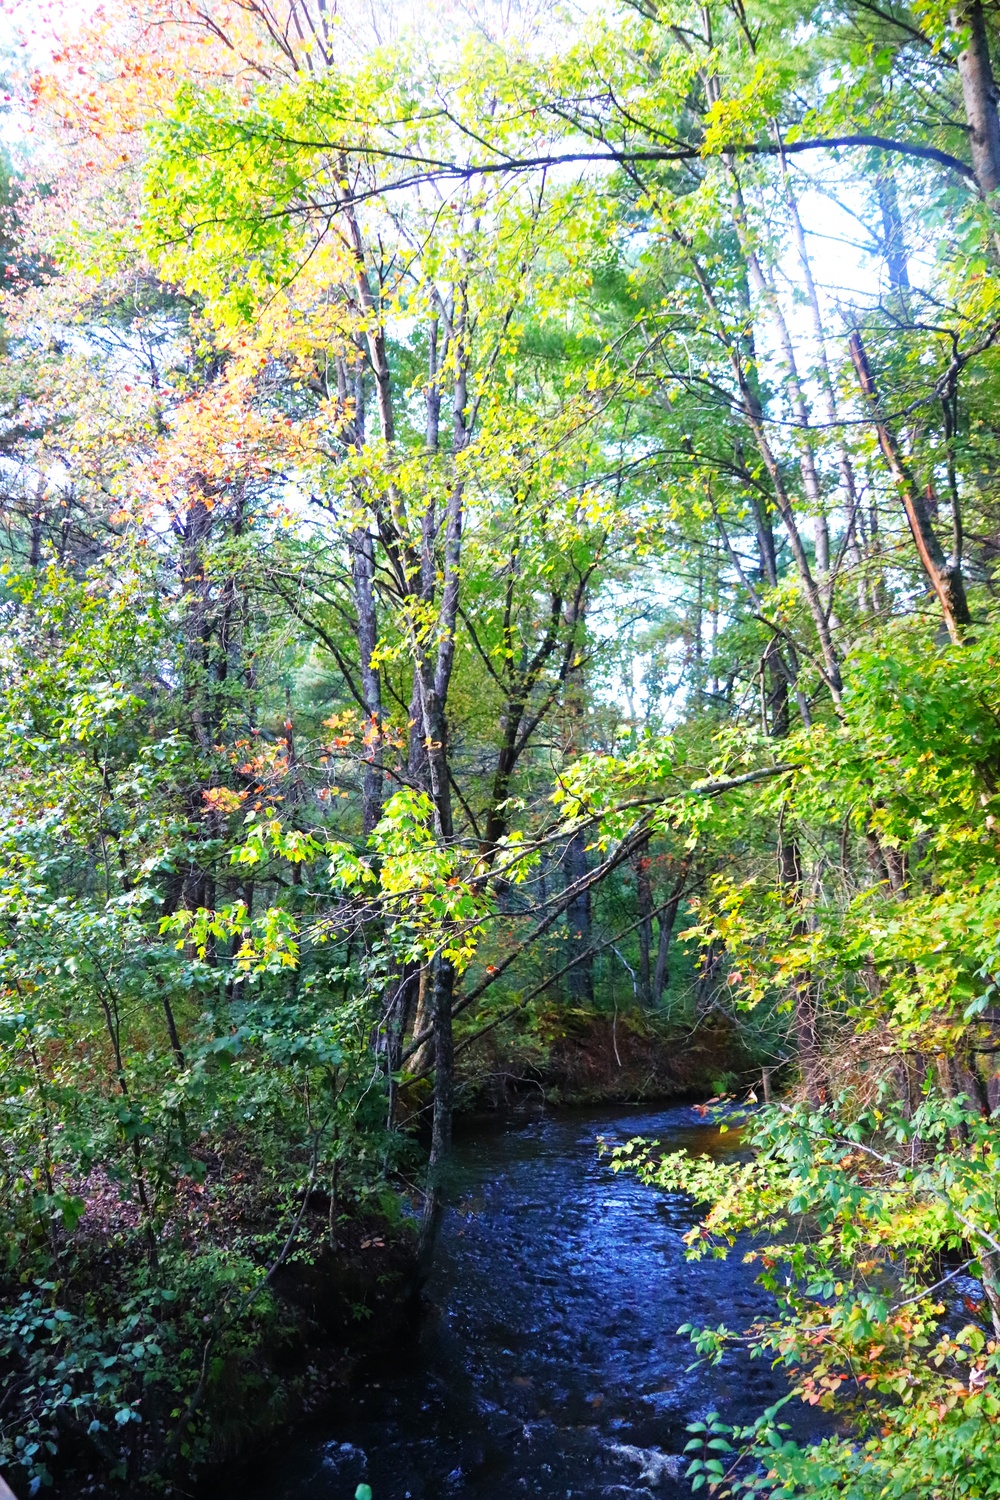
(549, 1362)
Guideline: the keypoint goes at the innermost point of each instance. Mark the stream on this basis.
(548, 1363)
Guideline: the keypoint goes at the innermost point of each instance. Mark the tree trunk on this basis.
(363, 572)
(668, 917)
(893, 237)
(803, 999)
(442, 989)
(944, 574)
(580, 979)
(423, 1058)
(755, 417)
(886, 186)
(442, 985)
(989, 1263)
(979, 93)
(644, 894)
(433, 680)
(764, 286)
(400, 998)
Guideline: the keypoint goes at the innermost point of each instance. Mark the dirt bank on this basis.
(580, 1058)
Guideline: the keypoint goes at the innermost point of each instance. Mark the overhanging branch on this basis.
(432, 169)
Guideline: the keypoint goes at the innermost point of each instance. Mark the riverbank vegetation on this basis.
(500, 539)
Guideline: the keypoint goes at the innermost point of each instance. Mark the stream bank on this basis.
(589, 1058)
(323, 1314)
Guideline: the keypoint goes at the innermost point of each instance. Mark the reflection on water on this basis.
(549, 1362)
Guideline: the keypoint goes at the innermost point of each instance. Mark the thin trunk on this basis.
(362, 553)
(580, 979)
(35, 553)
(775, 675)
(644, 894)
(433, 425)
(423, 1024)
(980, 1085)
(765, 543)
(949, 407)
(803, 998)
(989, 1263)
(754, 413)
(400, 996)
(893, 238)
(765, 289)
(517, 720)
(831, 413)
(774, 660)
(363, 574)
(790, 882)
(416, 760)
(944, 574)
(887, 864)
(442, 990)
(442, 985)
(713, 627)
(168, 1016)
(661, 973)
(433, 680)
(699, 669)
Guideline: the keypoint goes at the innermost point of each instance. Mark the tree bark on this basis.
(668, 917)
(644, 894)
(979, 93)
(423, 1024)
(363, 575)
(580, 979)
(442, 985)
(893, 237)
(804, 1008)
(944, 574)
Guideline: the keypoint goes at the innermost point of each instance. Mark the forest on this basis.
(500, 544)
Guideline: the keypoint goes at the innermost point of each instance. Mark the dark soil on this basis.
(334, 1308)
(343, 1306)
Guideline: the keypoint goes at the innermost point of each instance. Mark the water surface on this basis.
(548, 1363)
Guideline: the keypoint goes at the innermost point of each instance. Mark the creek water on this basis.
(548, 1362)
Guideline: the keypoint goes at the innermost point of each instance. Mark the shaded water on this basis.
(549, 1356)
